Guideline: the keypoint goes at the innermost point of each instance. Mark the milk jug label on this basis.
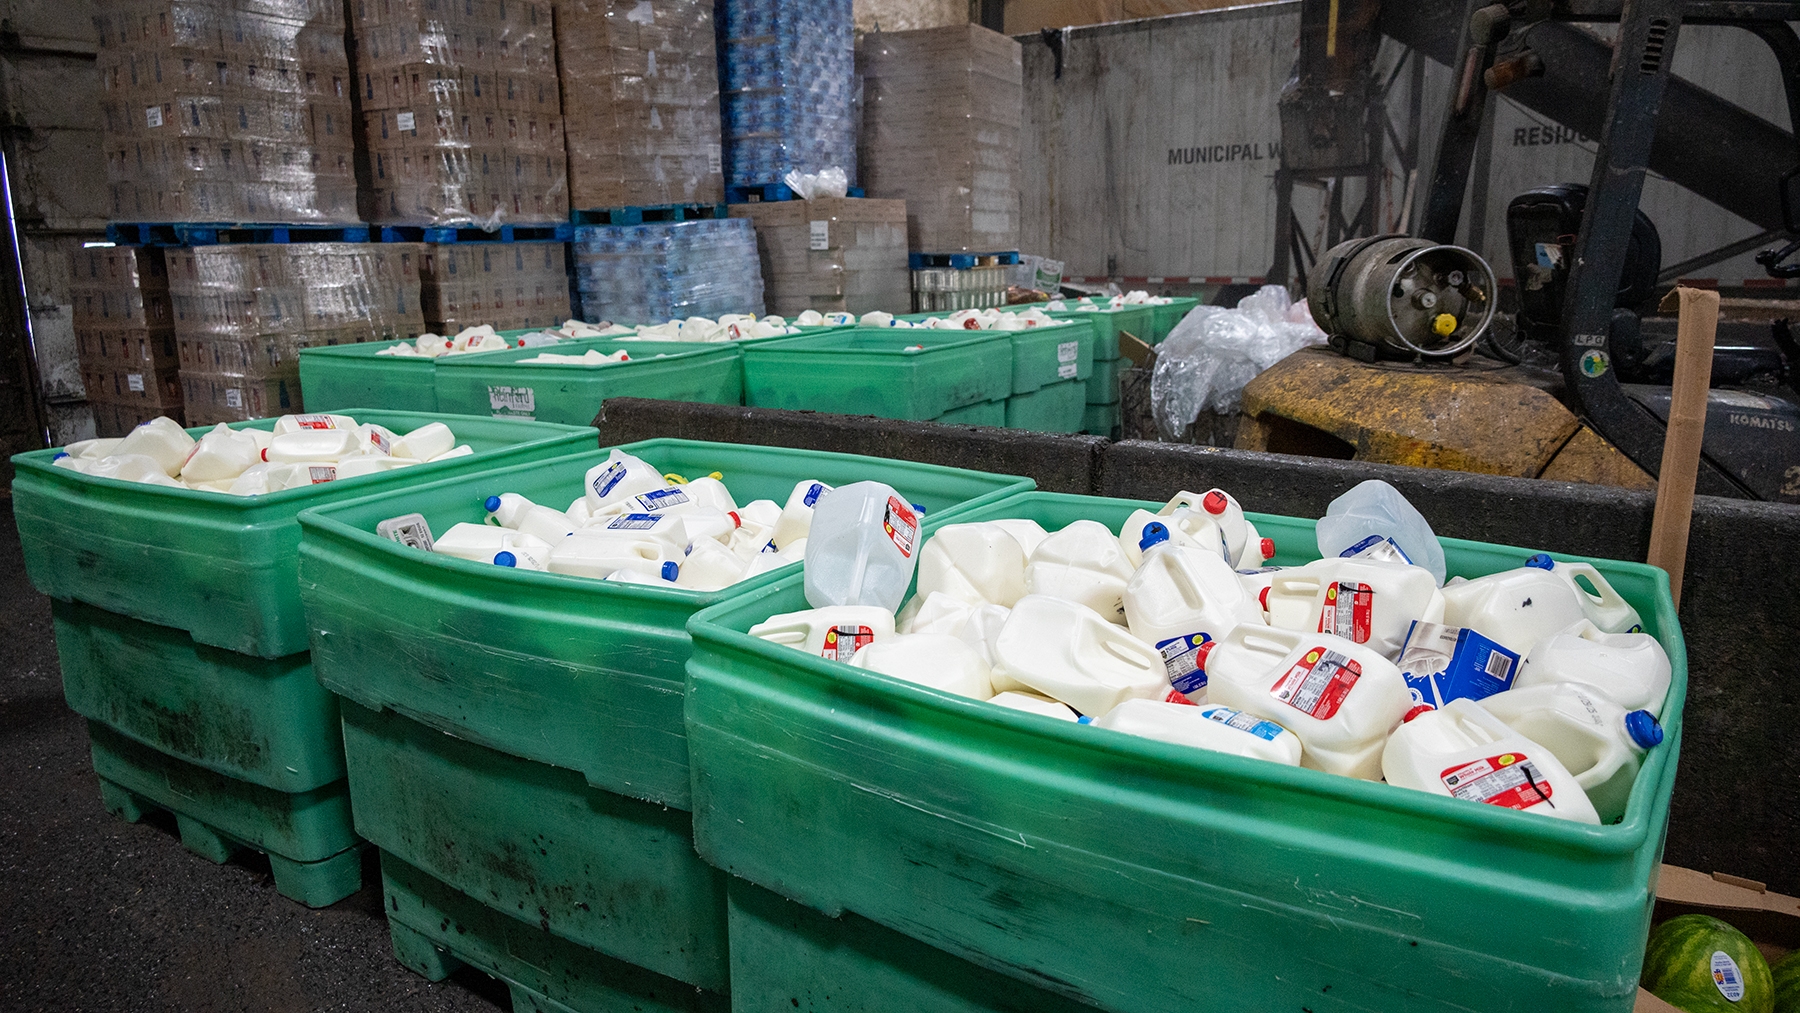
(1726, 976)
(813, 493)
(633, 522)
(1444, 663)
(662, 499)
(322, 473)
(1347, 608)
(1181, 661)
(314, 422)
(1266, 730)
(1318, 683)
(604, 482)
(842, 642)
(512, 400)
(1508, 780)
(1377, 548)
(901, 525)
(381, 442)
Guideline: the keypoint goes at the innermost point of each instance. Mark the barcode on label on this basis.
(634, 522)
(1499, 665)
(322, 473)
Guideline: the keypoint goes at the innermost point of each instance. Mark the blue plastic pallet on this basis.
(558, 232)
(772, 192)
(959, 261)
(211, 233)
(652, 214)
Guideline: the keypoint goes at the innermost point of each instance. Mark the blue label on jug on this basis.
(662, 499)
(634, 522)
(1266, 730)
(1379, 548)
(604, 482)
(813, 494)
(1181, 662)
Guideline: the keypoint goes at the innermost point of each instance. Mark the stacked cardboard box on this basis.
(640, 99)
(461, 115)
(831, 254)
(227, 111)
(508, 285)
(788, 76)
(942, 109)
(125, 336)
(243, 312)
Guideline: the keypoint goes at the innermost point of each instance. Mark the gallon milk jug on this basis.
(428, 442)
(978, 563)
(1034, 703)
(1631, 669)
(585, 554)
(936, 612)
(1180, 599)
(1222, 510)
(1513, 608)
(861, 547)
(221, 455)
(253, 482)
(1143, 529)
(1257, 549)
(358, 465)
(483, 543)
(711, 493)
(1363, 602)
(1603, 606)
(1082, 563)
(1374, 511)
(705, 523)
(634, 577)
(761, 513)
(835, 633)
(1065, 651)
(796, 518)
(1465, 752)
(929, 659)
(1208, 726)
(665, 528)
(511, 510)
(618, 478)
(1028, 533)
(1256, 584)
(1341, 699)
(710, 566)
(133, 468)
(1598, 741)
(312, 445)
(300, 423)
(94, 450)
(161, 440)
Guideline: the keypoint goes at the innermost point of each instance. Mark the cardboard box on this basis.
(1771, 920)
(831, 254)
(507, 285)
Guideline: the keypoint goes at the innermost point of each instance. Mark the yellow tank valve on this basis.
(1443, 325)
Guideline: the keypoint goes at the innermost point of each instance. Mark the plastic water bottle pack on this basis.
(648, 274)
(787, 73)
(1532, 689)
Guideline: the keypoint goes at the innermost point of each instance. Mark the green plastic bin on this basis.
(912, 373)
(1042, 355)
(987, 413)
(314, 854)
(336, 376)
(436, 929)
(1164, 316)
(536, 842)
(1103, 387)
(576, 673)
(498, 384)
(1141, 876)
(1058, 408)
(1140, 321)
(221, 567)
(1101, 420)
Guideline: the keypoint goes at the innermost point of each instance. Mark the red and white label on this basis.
(380, 441)
(842, 642)
(322, 473)
(901, 525)
(1318, 683)
(1509, 780)
(314, 422)
(1347, 610)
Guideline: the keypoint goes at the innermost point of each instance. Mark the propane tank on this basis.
(1399, 297)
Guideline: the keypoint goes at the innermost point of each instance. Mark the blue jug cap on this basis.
(60, 455)
(1643, 728)
(1154, 532)
(492, 504)
(918, 509)
(1542, 561)
(505, 558)
(1084, 720)
(671, 570)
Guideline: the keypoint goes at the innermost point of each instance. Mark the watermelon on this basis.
(1786, 973)
(1701, 965)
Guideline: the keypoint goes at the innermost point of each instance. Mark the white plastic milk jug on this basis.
(1364, 602)
(1341, 699)
(616, 479)
(1208, 726)
(1630, 668)
(482, 543)
(1082, 563)
(1067, 652)
(977, 563)
(1374, 511)
(1180, 599)
(426, 443)
(1603, 606)
(1222, 510)
(1034, 703)
(301, 423)
(131, 468)
(796, 517)
(312, 445)
(861, 548)
(1514, 608)
(929, 659)
(161, 440)
(586, 554)
(667, 529)
(1028, 533)
(836, 632)
(1601, 743)
(710, 566)
(511, 510)
(1144, 529)
(1463, 751)
(220, 456)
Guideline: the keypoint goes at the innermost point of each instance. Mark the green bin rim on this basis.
(821, 342)
(39, 461)
(1624, 837)
(322, 519)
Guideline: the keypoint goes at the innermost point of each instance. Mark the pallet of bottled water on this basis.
(646, 274)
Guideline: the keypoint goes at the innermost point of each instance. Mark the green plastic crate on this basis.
(577, 673)
(221, 567)
(1165, 316)
(784, 955)
(536, 843)
(337, 376)
(436, 929)
(1058, 408)
(314, 854)
(1042, 355)
(869, 371)
(987, 413)
(1142, 876)
(1103, 388)
(497, 383)
(264, 721)
(1101, 420)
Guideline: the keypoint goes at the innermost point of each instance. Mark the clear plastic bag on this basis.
(1213, 352)
(830, 182)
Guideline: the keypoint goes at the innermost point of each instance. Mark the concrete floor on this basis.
(98, 915)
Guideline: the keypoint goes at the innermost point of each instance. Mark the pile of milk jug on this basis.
(481, 338)
(301, 450)
(1533, 688)
(632, 524)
